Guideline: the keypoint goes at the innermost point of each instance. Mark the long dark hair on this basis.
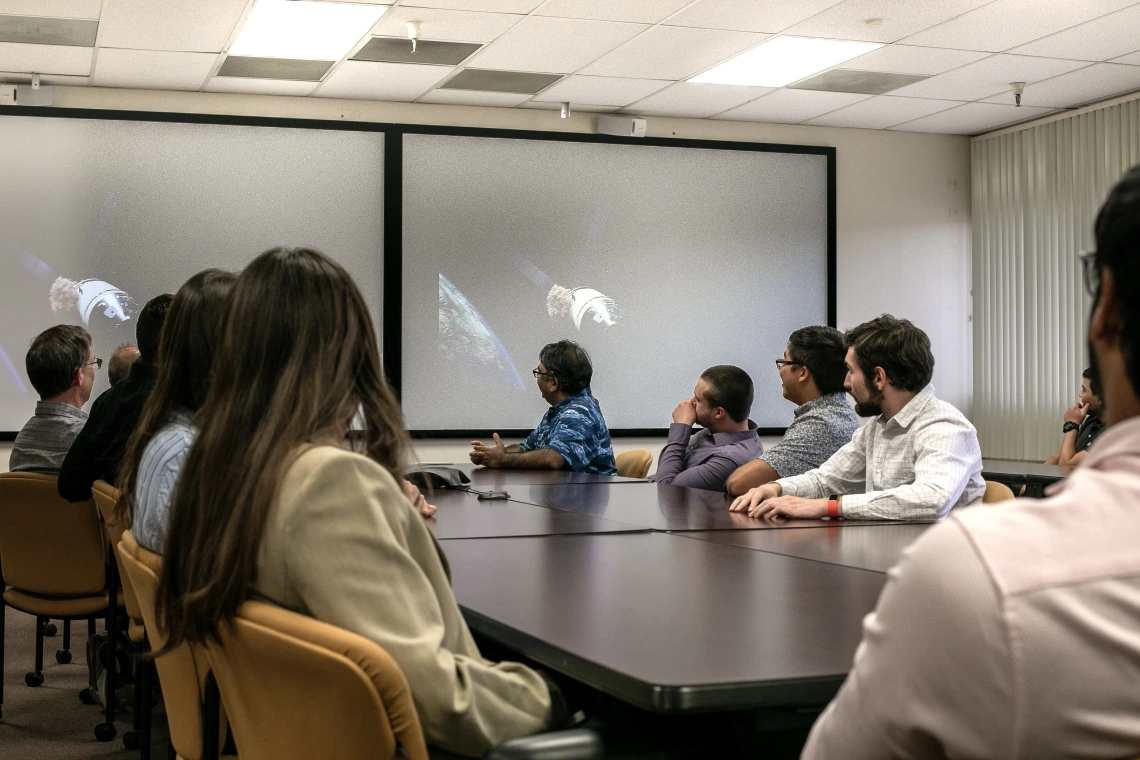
(190, 334)
(298, 360)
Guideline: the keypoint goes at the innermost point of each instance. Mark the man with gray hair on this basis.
(61, 367)
(120, 364)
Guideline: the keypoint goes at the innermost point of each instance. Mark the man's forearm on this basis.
(1068, 448)
(514, 449)
(539, 459)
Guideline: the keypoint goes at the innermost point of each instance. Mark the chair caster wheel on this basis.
(105, 732)
(34, 679)
(50, 629)
(132, 740)
(86, 697)
(63, 656)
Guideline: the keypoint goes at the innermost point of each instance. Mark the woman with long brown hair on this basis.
(272, 503)
(158, 447)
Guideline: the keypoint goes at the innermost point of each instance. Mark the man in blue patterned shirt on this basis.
(572, 435)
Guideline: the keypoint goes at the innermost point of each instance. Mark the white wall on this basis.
(903, 206)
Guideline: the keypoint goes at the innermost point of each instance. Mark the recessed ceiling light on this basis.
(784, 60)
(314, 31)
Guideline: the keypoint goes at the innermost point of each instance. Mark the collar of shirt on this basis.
(584, 393)
(58, 409)
(723, 439)
(827, 399)
(912, 409)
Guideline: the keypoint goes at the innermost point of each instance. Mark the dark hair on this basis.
(190, 335)
(1118, 250)
(120, 363)
(297, 362)
(896, 345)
(731, 388)
(569, 364)
(55, 356)
(1094, 384)
(149, 328)
(824, 353)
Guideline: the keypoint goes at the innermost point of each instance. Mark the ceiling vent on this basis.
(399, 50)
(855, 81)
(48, 31)
(490, 80)
(274, 68)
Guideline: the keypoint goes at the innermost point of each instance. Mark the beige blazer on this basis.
(344, 545)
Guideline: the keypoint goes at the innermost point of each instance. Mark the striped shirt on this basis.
(918, 465)
(159, 469)
(44, 440)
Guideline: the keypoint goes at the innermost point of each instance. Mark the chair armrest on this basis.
(574, 744)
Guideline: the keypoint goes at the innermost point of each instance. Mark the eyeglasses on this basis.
(536, 372)
(98, 364)
(781, 363)
(1090, 272)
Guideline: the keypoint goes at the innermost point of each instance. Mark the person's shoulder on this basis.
(332, 463)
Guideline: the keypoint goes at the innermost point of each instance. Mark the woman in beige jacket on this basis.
(269, 503)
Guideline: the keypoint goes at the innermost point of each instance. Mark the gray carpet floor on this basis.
(49, 721)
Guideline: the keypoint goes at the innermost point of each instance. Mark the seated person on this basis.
(61, 366)
(1082, 424)
(120, 363)
(572, 435)
(315, 527)
(812, 374)
(99, 448)
(918, 457)
(720, 404)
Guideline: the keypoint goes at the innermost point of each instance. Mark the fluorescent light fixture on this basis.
(783, 60)
(313, 31)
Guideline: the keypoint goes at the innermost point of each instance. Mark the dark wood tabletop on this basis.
(1028, 472)
(868, 547)
(463, 515)
(483, 477)
(665, 622)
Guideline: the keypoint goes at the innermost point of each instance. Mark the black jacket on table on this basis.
(101, 445)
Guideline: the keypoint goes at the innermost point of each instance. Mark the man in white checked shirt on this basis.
(918, 457)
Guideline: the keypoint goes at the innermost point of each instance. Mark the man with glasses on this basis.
(812, 372)
(573, 434)
(99, 448)
(61, 367)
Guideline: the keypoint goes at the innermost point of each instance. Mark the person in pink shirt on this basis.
(1013, 630)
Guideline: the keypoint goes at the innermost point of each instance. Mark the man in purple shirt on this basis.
(720, 404)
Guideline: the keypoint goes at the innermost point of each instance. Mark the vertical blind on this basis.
(1036, 193)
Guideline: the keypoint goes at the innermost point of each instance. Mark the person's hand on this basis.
(685, 413)
(489, 456)
(755, 496)
(417, 499)
(1076, 413)
(790, 506)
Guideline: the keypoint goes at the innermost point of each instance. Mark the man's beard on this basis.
(872, 407)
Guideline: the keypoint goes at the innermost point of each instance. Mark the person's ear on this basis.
(880, 379)
(803, 375)
(1105, 324)
(77, 378)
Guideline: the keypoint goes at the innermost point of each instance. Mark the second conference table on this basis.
(660, 597)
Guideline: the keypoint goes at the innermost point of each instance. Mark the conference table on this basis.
(658, 596)
(1035, 476)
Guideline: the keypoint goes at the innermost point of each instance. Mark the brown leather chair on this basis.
(634, 463)
(996, 492)
(54, 565)
(182, 671)
(290, 684)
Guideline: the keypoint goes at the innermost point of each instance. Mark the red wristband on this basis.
(833, 507)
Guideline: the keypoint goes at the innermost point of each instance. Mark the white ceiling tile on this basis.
(602, 91)
(199, 26)
(1004, 24)
(554, 45)
(51, 8)
(152, 69)
(897, 18)
(452, 26)
(1132, 59)
(971, 118)
(791, 106)
(637, 11)
(475, 98)
(45, 59)
(672, 52)
(989, 76)
(1106, 37)
(581, 108)
(1087, 85)
(487, 6)
(366, 80)
(909, 59)
(695, 101)
(52, 79)
(881, 112)
(260, 86)
(749, 15)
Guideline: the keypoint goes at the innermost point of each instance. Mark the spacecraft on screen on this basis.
(91, 298)
(587, 307)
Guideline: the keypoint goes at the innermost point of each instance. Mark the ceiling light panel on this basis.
(783, 60)
(37, 30)
(296, 69)
(490, 80)
(315, 31)
(853, 80)
(399, 50)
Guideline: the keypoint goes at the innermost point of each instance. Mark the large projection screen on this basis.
(661, 261)
(141, 206)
